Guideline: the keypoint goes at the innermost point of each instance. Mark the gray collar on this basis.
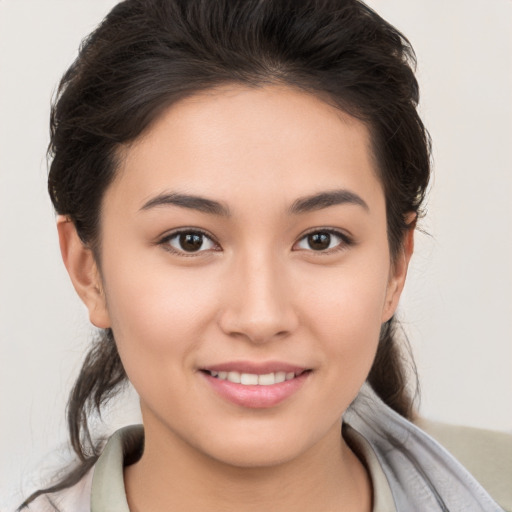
(421, 473)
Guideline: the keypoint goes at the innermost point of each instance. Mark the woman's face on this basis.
(244, 238)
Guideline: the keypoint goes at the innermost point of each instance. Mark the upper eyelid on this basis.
(333, 231)
(179, 231)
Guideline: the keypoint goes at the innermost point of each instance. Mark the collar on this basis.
(108, 492)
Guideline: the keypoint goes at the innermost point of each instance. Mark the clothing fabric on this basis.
(486, 454)
(421, 473)
(408, 469)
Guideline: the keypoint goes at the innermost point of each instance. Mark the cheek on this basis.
(348, 300)
(344, 310)
(156, 313)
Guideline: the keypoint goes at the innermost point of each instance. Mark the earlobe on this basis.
(83, 271)
(398, 273)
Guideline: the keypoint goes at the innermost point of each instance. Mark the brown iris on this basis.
(319, 241)
(191, 242)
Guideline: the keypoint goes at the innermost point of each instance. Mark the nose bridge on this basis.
(260, 307)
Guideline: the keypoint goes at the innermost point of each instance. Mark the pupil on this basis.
(191, 241)
(319, 241)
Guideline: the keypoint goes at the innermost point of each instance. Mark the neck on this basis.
(172, 475)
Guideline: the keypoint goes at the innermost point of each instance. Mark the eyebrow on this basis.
(325, 199)
(192, 202)
(302, 205)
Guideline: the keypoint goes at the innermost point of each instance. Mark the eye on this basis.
(189, 242)
(323, 240)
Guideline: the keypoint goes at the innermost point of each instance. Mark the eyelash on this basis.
(345, 241)
(165, 241)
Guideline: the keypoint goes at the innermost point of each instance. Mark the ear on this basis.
(398, 271)
(83, 271)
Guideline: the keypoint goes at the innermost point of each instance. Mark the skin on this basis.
(257, 292)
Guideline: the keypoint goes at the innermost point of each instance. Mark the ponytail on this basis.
(389, 375)
(101, 378)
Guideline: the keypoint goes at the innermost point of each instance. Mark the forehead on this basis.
(271, 138)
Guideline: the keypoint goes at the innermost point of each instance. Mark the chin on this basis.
(255, 455)
(264, 447)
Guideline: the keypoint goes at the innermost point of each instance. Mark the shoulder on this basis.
(102, 488)
(486, 454)
(73, 499)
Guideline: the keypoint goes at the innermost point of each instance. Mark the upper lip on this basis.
(258, 368)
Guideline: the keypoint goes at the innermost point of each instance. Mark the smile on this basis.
(255, 386)
(253, 379)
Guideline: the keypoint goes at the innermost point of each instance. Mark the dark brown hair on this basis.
(148, 54)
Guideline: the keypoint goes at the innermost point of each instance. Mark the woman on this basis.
(237, 186)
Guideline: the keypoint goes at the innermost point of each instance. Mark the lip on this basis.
(254, 367)
(254, 396)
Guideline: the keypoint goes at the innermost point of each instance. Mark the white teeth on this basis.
(267, 380)
(280, 377)
(252, 379)
(249, 379)
(234, 377)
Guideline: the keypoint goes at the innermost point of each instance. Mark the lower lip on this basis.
(256, 397)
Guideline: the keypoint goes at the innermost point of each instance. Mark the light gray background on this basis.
(457, 306)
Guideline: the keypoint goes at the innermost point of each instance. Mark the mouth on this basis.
(256, 386)
(255, 379)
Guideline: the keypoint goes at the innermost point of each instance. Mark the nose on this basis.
(260, 305)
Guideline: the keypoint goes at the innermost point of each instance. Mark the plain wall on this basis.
(457, 306)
